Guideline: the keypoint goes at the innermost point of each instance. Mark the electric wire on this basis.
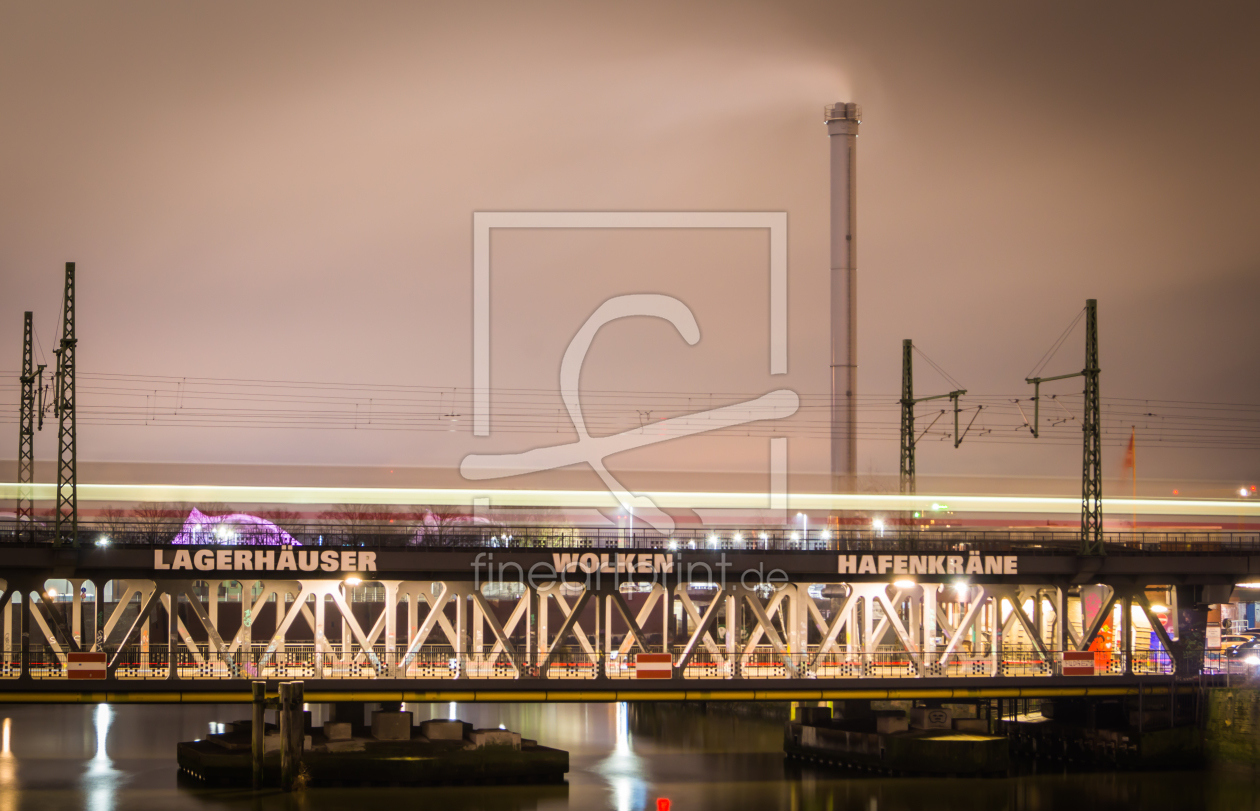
(1054, 348)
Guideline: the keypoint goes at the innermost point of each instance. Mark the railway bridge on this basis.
(556, 614)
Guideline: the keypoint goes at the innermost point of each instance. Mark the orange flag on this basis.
(1130, 465)
(1130, 456)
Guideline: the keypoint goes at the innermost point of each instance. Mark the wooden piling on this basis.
(258, 731)
(288, 757)
(298, 726)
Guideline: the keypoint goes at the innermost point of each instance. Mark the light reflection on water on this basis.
(622, 757)
(8, 769)
(101, 779)
(623, 769)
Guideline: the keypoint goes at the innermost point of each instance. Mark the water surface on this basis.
(622, 758)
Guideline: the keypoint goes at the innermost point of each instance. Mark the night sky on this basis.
(285, 192)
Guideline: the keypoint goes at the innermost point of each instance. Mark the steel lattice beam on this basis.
(907, 417)
(67, 466)
(26, 429)
(1091, 425)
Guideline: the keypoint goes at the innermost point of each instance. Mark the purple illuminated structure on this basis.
(232, 529)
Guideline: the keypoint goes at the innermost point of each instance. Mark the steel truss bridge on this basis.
(538, 614)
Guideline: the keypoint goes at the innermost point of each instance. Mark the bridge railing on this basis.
(403, 534)
(303, 662)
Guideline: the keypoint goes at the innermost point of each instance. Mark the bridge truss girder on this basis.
(729, 632)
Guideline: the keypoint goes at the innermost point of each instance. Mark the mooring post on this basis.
(298, 727)
(288, 758)
(258, 731)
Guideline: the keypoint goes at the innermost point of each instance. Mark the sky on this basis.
(284, 193)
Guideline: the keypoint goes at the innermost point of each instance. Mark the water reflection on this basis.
(101, 779)
(622, 757)
(8, 769)
(623, 769)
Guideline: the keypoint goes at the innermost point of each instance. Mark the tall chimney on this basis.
(842, 128)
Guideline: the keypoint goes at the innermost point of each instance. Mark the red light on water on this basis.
(662, 804)
(1176, 492)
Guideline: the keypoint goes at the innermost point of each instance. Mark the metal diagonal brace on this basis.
(763, 621)
(153, 598)
(773, 606)
(645, 613)
(624, 610)
(565, 628)
(844, 616)
(434, 618)
(1157, 627)
(968, 620)
(497, 628)
(703, 635)
(1095, 625)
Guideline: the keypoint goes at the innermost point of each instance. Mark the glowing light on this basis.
(1242, 492)
(8, 731)
(602, 499)
(904, 584)
(1252, 660)
(353, 581)
(200, 528)
(737, 537)
(961, 587)
(796, 536)
(938, 507)
(52, 593)
(1249, 585)
(825, 535)
(1159, 609)
(103, 540)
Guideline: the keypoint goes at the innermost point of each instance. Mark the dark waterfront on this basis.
(621, 759)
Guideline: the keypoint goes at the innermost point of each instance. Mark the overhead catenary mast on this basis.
(67, 529)
(30, 378)
(1091, 426)
(908, 401)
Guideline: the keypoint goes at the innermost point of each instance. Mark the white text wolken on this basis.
(929, 564)
(614, 563)
(267, 560)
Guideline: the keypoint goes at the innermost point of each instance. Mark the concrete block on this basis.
(814, 716)
(930, 718)
(442, 730)
(391, 726)
(493, 737)
(887, 724)
(337, 730)
(357, 745)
